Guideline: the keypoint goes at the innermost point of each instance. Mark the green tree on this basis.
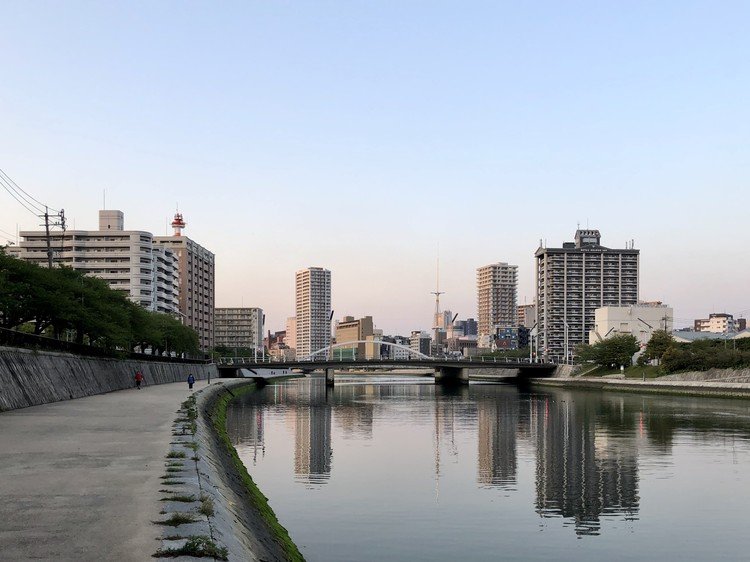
(660, 341)
(613, 351)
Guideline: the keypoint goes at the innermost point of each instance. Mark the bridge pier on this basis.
(329, 377)
(451, 375)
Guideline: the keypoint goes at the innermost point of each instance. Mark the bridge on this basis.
(448, 370)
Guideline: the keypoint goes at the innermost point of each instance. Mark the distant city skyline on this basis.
(358, 137)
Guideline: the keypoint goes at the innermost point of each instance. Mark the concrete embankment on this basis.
(31, 378)
(239, 522)
(722, 383)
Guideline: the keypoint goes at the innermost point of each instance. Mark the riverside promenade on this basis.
(79, 478)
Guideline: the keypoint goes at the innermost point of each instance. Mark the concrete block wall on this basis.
(30, 378)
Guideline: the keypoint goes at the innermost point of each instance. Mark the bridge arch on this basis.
(350, 343)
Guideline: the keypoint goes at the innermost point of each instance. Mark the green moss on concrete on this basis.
(260, 502)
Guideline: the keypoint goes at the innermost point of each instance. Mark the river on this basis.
(393, 468)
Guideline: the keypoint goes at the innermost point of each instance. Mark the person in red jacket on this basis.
(138, 379)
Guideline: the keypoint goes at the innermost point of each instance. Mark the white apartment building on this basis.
(197, 271)
(640, 320)
(497, 287)
(130, 261)
(238, 328)
(575, 280)
(313, 308)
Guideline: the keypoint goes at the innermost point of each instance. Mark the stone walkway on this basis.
(79, 479)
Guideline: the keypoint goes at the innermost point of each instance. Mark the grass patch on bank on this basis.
(185, 498)
(177, 518)
(219, 422)
(198, 546)
(176, 455)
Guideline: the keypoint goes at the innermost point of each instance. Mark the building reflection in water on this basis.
(585, 451)
(313, 452)
(497, 425)
(583, 470)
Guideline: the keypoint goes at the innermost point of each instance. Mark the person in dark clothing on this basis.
(191, 381)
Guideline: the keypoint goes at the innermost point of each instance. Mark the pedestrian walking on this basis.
(138, 379)
(191, 381)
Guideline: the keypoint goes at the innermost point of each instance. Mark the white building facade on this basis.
(313, 310)
(640, 320)
(130, 261)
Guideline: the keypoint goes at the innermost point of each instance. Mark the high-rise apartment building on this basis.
(238, 328)
(313, 307)
(497, 286)
(575, 280)
(130, 261)
(196, 282)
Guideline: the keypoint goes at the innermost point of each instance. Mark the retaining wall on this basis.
(30, 378)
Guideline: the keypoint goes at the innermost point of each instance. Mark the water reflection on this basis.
(583, 470)
(582, 448)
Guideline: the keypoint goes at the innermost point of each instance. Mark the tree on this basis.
(613, 351)
(660, 342)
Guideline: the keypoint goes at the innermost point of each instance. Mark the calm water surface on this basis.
(399, 469)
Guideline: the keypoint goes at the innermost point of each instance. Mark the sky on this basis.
(369, 137)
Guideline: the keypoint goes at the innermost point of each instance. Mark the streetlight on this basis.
(565, 334)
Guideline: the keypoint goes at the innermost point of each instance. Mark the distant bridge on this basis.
(447, 369)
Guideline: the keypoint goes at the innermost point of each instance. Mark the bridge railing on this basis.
(273, 361)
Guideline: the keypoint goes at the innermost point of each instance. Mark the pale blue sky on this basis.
(358, 135)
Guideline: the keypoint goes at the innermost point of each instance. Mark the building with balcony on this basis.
(719, 323)
(238, 328)
(497, 286)
(313, 307)
(130, 261)
(197, 272)
(575, 280)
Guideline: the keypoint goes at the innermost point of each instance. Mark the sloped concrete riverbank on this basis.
(206, 492)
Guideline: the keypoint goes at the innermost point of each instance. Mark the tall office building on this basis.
(196, 285)
(130, 261)
(238, 328)
(497, 286)
(575, 280)
(313, 306)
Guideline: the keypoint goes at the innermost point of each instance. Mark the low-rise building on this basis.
(355, 331)
(420, 342)
(641, 320)
(717, 323)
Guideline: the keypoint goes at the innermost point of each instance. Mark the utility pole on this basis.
(59, 220)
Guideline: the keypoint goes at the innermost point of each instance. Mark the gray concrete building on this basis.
(575, 280)
(239, 328)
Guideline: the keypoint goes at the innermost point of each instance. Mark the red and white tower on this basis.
(178, 224)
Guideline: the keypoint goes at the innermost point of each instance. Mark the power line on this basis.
(24, 205)
(18, 188)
